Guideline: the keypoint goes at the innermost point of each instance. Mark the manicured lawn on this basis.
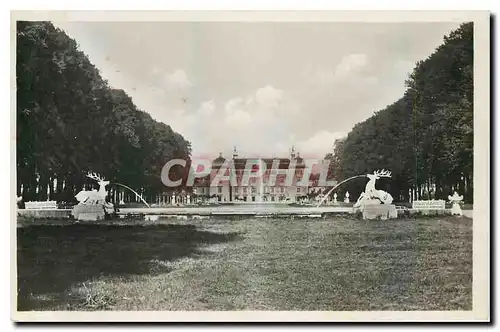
(248, 264)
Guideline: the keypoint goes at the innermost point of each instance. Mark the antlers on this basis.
(94, 176)
(383, 173)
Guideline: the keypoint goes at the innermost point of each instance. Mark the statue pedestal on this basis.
(382, 211)
(456, 210)
(88, 212)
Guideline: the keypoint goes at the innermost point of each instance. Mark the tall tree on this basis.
(426, 137)
(69, 122)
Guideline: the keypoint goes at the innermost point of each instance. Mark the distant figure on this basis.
(335, 198)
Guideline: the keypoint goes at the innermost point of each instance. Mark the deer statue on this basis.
(93, 196)
(370, 186)
(371, 193)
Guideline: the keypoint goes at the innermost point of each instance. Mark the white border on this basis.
(481, 166)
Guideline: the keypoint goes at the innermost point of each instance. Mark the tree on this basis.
(426, 137)
(69, 122)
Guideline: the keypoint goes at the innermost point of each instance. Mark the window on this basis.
(282, 190)
(298, 189)
(219, 190)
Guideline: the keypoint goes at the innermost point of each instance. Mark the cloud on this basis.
(249, 121)
(177, 80)
(260, 86)
(238, 119)
(349, 71)
(319, 144)
(207, 108)
(233, 105)
(155, 70)
(268, 96)
(326, 77)
(350, 64)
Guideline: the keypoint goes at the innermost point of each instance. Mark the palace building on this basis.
(264, 181)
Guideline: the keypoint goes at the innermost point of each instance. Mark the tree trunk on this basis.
(470, 190)
(461, 187)
(59, 189)
(51, 189)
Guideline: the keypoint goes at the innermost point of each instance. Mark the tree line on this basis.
(426, 137)
(69, 122)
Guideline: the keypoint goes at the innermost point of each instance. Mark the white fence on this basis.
(429, 205)
(48, 205)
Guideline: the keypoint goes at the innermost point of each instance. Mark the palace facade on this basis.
(265, 181)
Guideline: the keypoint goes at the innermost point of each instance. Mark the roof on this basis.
(283, 163)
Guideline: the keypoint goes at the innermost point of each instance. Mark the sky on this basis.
(260, 86)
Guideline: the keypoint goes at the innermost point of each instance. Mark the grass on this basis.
(248, 264)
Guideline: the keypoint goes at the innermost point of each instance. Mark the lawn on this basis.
(248, 264)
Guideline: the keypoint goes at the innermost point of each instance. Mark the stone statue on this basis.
(370, 190)
(92, 204)
(455, 200)
(346, 199)
(371, 194)
(334, 198)
(373, 197)
(93, 196)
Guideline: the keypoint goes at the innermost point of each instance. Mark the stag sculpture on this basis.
(93, 196)
(370, 189)
(373, 195)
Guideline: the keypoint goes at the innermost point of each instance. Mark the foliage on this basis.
(69, 121)
(426, 137)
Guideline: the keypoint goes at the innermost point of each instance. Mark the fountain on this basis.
(132, 190)
(92, 204)
(372, 203)
(375, 203)
(338, 185)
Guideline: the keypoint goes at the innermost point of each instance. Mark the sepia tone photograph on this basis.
(252, 163)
